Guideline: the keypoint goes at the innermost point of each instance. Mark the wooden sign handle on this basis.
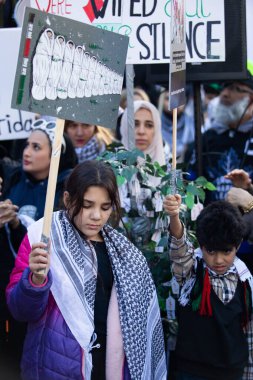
(174, 139)
(52, 180)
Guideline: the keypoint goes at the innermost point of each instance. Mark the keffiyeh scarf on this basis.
(74, 271)
(238, 268)
(89, 151)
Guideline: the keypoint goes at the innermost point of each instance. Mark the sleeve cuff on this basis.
(34, 285)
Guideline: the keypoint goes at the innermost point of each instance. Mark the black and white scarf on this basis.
(89, 151)
(74, 270)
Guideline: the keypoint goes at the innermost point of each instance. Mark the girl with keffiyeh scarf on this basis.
(88, 140)
(94, 312)
(215, 303)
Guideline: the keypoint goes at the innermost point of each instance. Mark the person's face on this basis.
(80, 133)
(61, 40)
(144, 129)
(50, 34)
(219, 261)
(36, 155)
(234, 93)
(97, 208)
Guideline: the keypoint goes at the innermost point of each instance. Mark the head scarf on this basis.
(155, 150)
(47, 125)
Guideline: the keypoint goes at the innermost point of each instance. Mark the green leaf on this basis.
(120, 180)
(210, 186)
(189, 200)
(129, 172)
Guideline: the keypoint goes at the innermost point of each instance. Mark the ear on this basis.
(66, 198)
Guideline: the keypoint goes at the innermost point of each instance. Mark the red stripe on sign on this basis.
(27, 47)
(99, 4)
(89, 11)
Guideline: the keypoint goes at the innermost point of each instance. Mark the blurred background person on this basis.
(227, 144)
(185, 125)
(139, 94)
(27, 186)
(12, 333)
(88, 140)
(148, 136)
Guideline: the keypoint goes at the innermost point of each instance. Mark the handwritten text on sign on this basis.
(147, 23)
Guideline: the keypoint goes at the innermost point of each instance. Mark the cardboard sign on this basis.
(147, 24)
(69, 70)
(14, 124)
(177, 77)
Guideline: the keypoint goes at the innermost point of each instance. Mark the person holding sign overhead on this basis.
(91, 304)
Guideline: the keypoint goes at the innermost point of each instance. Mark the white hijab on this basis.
(155, 149)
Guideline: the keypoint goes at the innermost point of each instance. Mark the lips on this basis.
(92, 226)
(220, 269)
(25, 162)
(141, 142)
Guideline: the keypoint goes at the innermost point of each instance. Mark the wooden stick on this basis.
(52, 180)
(174, 139)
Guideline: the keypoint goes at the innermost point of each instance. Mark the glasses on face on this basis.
(236, 88)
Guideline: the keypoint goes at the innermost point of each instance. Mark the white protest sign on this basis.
(147, 24)
(14, 124)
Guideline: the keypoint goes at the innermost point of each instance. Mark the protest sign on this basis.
(69, 70)
(177, 51)
(147, 24)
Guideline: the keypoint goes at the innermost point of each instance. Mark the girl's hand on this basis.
(39, 262)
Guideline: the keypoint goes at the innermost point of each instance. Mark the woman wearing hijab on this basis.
(148, 135)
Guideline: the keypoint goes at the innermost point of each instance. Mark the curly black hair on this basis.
(220, 226)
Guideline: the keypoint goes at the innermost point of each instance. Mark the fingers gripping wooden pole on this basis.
(52, 180)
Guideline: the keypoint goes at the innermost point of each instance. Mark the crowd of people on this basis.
(106, 278)
(85, 305)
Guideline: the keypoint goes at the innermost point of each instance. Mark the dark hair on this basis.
(91, 173)
(220, 226)
(68, 158)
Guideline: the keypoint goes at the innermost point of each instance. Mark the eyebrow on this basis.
(92, 202)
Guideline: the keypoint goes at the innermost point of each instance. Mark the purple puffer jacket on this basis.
(50, 351)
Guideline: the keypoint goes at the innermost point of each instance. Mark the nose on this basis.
(96, 214)
(218, 258)
(225, 93)
(26, 151)
(141, 129)
(79, 130)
